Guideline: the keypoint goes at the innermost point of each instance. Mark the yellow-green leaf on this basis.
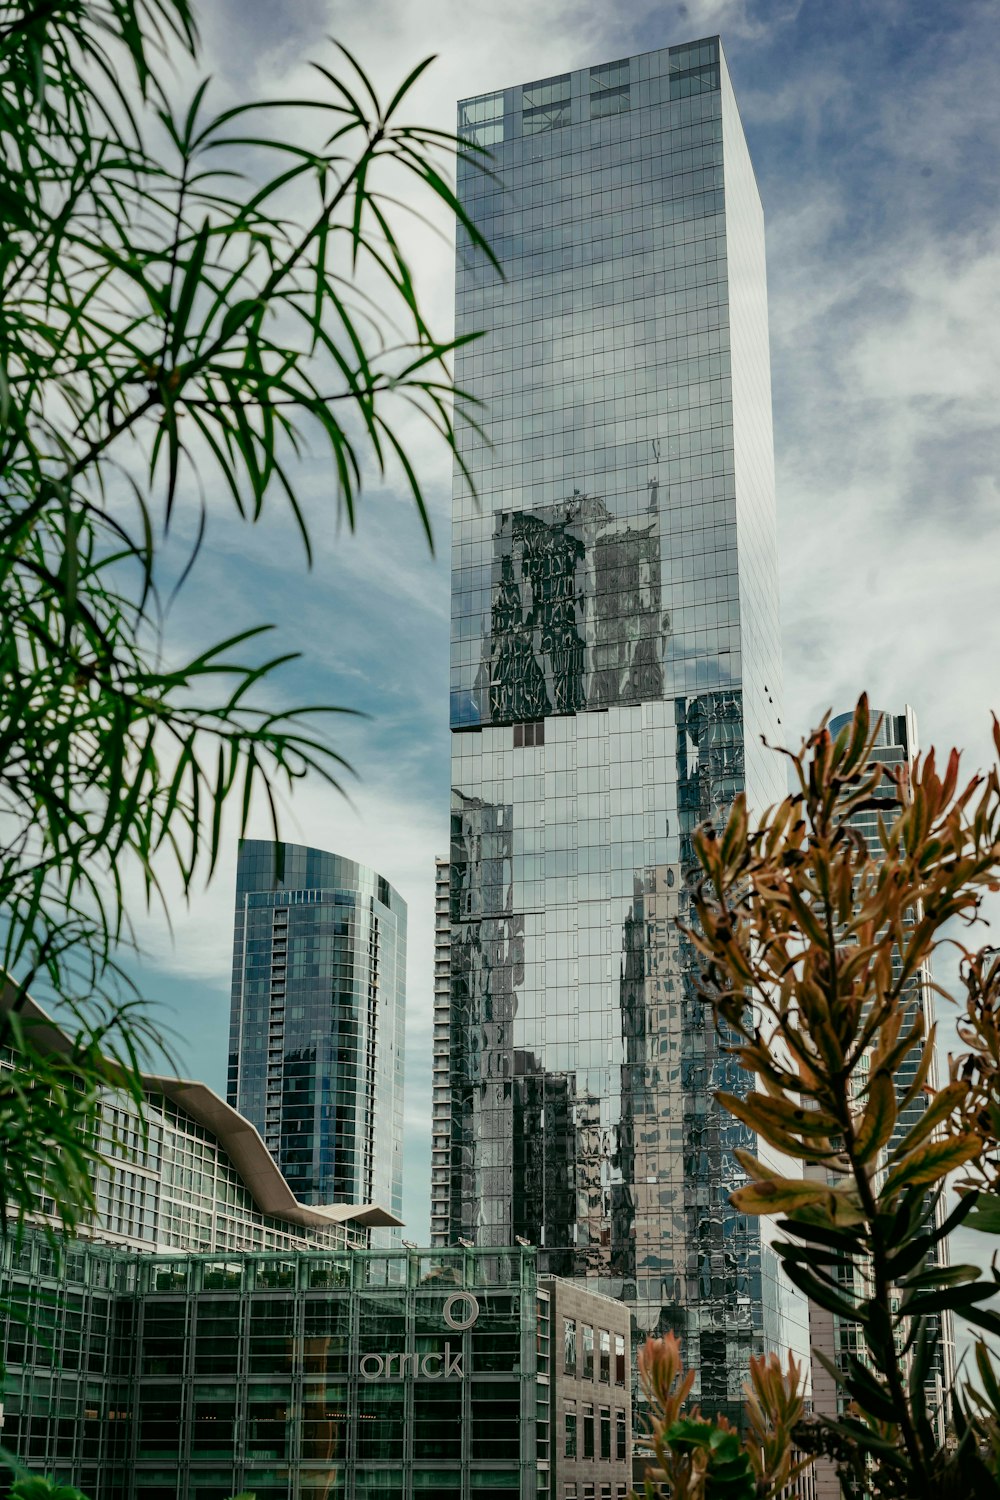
(778, 1195)
(930, 1162)
(760, 1111)
(841, 1209)
(940, 1107)
(879, 1118)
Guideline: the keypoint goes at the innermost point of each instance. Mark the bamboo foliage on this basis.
(811, 942)
(189, 302)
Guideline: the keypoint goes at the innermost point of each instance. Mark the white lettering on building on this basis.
(431, 1366)
(460, 1312)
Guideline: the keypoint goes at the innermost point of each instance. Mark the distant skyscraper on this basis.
(317, 1021)
(441, 1087)
(896, 745)
(615, 661)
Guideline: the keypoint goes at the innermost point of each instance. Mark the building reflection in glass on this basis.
(615, 663)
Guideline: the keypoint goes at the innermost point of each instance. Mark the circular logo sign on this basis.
(461, 1310)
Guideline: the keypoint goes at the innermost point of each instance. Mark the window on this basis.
(481, 120)
(588, 1431)
(609, 90)
(605, 1432)
(620, 1359)
(569, 1448)
(621, 1441)
(605, 1356)
(588, 1352)
(529, 734)
(569, 1346)
(545, 105)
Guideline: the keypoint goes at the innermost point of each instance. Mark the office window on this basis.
(588, 1431)
(605, 1356)
(609, 90)
(605, 1432)
(588, 1352)
(569, 1448)
(620, 1359)
(545, 105)
(621, 1441)
(569, 1346)
(529, 734)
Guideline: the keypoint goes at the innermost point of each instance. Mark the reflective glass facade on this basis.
(358, 1375)
(615, 661)
(317, 1024)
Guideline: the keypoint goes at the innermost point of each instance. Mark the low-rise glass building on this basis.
(355, 1373)
(212, 1334)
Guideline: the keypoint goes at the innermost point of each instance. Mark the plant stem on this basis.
(841, 1082)
(881, 1297)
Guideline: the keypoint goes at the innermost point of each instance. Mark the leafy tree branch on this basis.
(816, 941)
(189, 303)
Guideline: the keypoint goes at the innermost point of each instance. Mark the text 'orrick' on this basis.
(433, 1366)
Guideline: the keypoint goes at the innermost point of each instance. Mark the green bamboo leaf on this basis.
(237, 316)
(190, 285)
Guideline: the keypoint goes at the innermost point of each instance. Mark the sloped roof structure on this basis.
(239, 1139)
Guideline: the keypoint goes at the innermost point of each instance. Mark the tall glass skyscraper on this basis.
(317, 1023)
(615, 661)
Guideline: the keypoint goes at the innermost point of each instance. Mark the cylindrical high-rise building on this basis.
(317, 1024)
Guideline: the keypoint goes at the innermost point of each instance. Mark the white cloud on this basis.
(941, 358)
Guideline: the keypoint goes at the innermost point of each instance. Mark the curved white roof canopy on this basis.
(239, 1139)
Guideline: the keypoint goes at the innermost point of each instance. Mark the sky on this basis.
(875, 139)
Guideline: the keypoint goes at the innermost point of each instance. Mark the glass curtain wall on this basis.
(198, 1378)
(615, 659)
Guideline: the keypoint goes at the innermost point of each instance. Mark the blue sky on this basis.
(875, 138)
